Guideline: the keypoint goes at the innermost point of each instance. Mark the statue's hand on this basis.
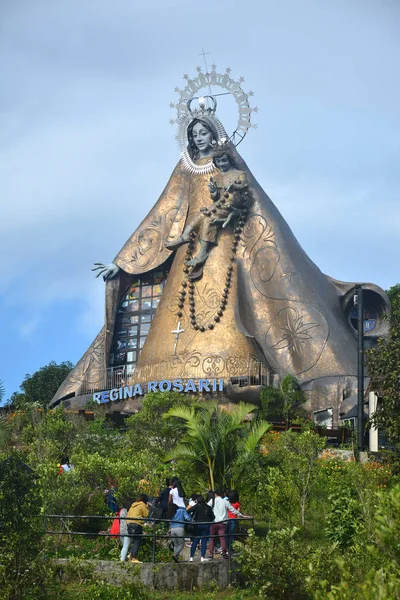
(212, 186)
(234, 211)
(107, 271)
(216, 220)
(228, 220)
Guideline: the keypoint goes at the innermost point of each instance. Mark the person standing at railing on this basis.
(210, 498)
(137, 512)
(179, 514)
(221, 507)
(177, 493)
(163, 498)
(234, 500)
(202, 516)
(123, 531)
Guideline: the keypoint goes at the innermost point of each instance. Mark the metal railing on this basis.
(254, 373)
(153, 534)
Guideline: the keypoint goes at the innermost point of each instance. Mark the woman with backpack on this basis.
(163, 499)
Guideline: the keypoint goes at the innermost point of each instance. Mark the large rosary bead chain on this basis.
(187, 290)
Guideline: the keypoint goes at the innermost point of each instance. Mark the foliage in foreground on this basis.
(105, 591)
(384, 370)
(312, 507)
(285, 566)
(22, 573)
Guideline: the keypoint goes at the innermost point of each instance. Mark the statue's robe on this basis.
(282, 310)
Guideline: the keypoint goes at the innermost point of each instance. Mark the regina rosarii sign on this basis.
(166, 385)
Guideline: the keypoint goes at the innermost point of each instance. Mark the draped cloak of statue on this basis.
(282, 310)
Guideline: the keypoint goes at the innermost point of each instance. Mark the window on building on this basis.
(134, 317)
(370, 319)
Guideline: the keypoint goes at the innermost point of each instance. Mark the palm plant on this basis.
(217, 440)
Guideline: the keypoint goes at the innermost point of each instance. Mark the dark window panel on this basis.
(123, 306)
(144, 328)
(120, 358)
(146, 279)
(130, 369)
(130, 320)
(146, 304)
(131, 356)
(133, 305)
(146, 291)
(158, 277)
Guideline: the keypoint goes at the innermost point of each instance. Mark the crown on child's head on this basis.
(221, 147)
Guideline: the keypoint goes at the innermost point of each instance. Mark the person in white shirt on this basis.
(177, 493)
(218, 528)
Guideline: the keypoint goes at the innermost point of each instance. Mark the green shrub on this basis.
(275, 566)
(100, 590)
(22, 570)
(373, 572)
(344, 520)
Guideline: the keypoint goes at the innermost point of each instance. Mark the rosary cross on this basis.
(177, 332)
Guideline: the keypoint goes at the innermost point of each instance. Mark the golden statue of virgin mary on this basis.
(228, 290)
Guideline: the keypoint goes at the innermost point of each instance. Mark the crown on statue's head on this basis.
(207, 105)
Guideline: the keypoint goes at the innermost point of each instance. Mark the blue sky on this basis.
(86, 146)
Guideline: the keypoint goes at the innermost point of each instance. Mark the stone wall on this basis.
(163, 576)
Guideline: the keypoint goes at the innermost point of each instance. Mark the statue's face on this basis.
(202, 137)
(223, 163)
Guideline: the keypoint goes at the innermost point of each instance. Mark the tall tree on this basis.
(297, 458)
(217, 440)
(40, 387)
(285, 402)
(384, 370)
(148, 429)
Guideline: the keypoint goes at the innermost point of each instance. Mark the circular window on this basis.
(370, 319)
(376, 307)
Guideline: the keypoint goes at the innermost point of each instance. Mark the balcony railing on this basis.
(255, 373)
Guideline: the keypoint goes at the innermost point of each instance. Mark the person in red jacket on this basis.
(234, 500)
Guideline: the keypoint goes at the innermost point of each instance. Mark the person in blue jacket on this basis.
(178, 514)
